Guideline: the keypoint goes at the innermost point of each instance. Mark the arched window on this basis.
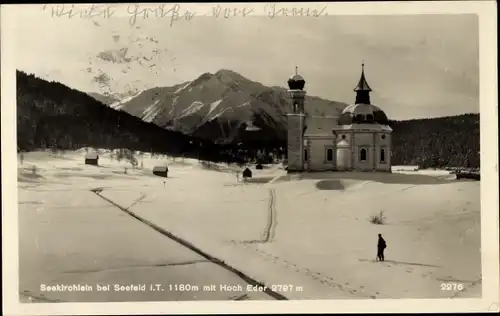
(382, 155)
(362, 154)
(329, 154)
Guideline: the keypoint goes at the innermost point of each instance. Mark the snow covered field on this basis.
(305, 236)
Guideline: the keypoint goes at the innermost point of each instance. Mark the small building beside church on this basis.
(92, 158)
(247, 173)
(358, 139)
(161, 171)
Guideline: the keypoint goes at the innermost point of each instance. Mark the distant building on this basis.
(247, 173)
(359, 139)
(161, 171)
(92, 159)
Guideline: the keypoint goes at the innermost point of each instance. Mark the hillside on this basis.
(52, 115)
(225, 107)
(105, 99)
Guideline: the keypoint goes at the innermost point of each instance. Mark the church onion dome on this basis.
(296, 82)
(363, 114)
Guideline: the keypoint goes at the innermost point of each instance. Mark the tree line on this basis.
(451, 141)
(52, 115)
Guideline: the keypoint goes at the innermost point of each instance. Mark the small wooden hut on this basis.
(92, 159)
(259, 167)
(161, 171)
(247, 173)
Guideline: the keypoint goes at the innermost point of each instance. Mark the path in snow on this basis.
(269, 230)
(192, 247)
(83, 240)
(271, 224)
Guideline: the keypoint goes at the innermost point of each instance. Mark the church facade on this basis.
(359, 139)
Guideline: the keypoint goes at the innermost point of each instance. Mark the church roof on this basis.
(362, 84)
(367, 127)
(297, 78)
(318, 126)
(361, 108)
(363, 113)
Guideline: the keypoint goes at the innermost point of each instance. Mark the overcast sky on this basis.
(418, 65)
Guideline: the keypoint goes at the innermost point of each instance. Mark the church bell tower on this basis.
(296, 123)
(363, 89)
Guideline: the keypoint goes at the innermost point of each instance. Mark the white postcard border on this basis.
(486, 11)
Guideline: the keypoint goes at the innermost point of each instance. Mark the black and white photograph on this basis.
(252, 152)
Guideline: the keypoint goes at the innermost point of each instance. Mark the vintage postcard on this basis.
(176, 158)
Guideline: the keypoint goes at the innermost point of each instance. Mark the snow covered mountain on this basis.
(105, 99)
(224, 107)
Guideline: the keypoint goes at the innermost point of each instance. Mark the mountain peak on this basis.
(224, 76)
(230, 76)
(220, 73)
(227, 72)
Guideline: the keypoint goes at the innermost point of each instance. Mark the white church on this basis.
(359, 139)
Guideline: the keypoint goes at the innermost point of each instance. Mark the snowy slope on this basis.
(311, 231)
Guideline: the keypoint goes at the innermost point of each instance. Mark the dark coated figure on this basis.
(381, 245)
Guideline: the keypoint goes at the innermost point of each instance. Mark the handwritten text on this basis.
(69, 11)
(274, 10)
(218, 11)
(175, 12)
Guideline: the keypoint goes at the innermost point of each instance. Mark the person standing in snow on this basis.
(381, 245)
